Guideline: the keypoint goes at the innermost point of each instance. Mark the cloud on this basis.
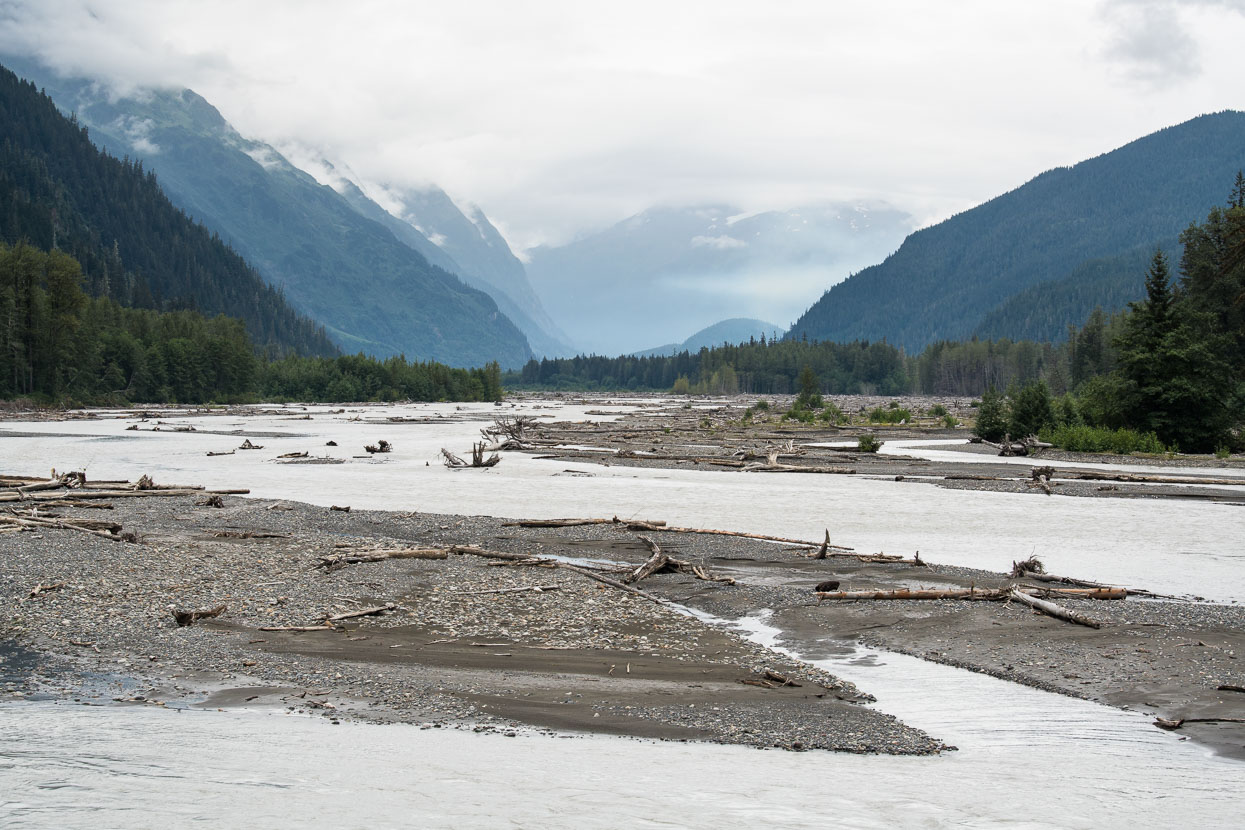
(561, 117)
(720, 242)
(1152, 40)
(138, 132)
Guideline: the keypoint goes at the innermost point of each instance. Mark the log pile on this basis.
(72, 489)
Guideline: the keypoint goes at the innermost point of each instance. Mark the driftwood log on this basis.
(1051, 609)
(337, 561)
(184, 618)
(661, 562)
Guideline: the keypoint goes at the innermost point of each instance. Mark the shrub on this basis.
(1081, 438)
(831, 414)
(891, 415)
(868, 442)
(937, 410)
(761, 405)
(1222, 451)
(949, 421)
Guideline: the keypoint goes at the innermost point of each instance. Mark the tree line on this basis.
(59, 345)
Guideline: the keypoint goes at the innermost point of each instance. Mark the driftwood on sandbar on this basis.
(986, 594)
(661, 562)
(1137, 478)
(337, 561)
(1051, 609)
(527, 558)
(184, 618)
(572, 522)
(366, 612)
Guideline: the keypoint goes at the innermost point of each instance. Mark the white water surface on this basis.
(1172, 546)
(70, 766)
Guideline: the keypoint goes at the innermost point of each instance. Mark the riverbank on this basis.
(470, 643)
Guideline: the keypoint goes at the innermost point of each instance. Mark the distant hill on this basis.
(59, 191)
(1087, 224)
(370, 291)
(734, 331)
(671, 270)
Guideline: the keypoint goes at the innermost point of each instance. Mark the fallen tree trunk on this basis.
(66, 525)
(75, 495)
(794, 468)
(946, 593)
(1137, 478)
(1051, 609)
(640, 525)
(336, 562)
(366, 612)
(523, 557)
(539, 589)
(570, 522)
(1164, 723)
(613, 583)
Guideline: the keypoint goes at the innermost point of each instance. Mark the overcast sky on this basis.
(559, 117)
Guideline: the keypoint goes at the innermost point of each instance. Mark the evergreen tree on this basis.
(992, 416)
(1031, 410)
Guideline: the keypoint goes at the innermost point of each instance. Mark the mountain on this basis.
(670, 270)
(59, 191)
(734, 331)
(1044, 311)
(350, 273)
(1068, 223)
(428, 221)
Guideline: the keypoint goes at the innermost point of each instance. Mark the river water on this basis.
(1026, 758)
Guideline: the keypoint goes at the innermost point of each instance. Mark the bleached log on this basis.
(366, 612)
(1050, 608)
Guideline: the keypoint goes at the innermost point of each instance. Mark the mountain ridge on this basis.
(950, 276)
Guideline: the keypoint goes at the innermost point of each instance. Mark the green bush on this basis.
(761, 405)
(949, 421)
(891, 415)
(868, 442)
(1100, 439)
(937, 410)
(1222, 451)
(831, 414)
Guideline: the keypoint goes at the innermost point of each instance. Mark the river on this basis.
(1026, 758)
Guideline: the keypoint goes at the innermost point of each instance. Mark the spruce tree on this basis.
(992, 416)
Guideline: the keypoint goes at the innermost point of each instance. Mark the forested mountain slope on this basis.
(944, 280)
(57, 190)
(370, 291)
